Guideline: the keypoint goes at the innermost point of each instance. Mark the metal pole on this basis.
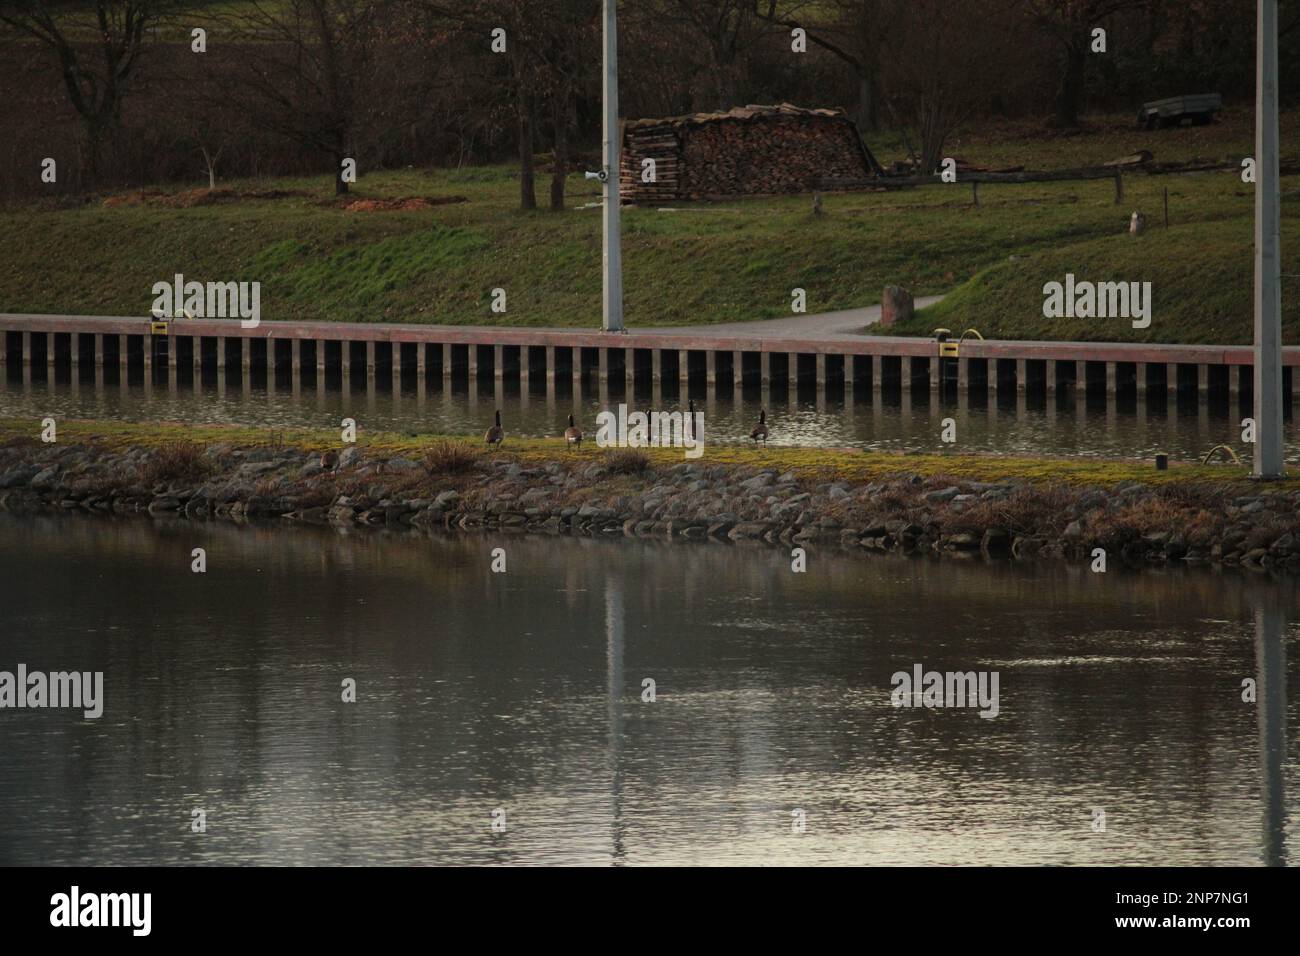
(613, 256)
(1268, 288)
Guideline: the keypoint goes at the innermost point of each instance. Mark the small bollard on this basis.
(1162, 462)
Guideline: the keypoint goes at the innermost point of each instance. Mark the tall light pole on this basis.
(1268, 262)
(612, 312)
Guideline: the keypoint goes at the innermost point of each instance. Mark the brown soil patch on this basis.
(401, 203)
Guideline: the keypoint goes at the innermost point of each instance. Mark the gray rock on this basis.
(1090, 501)
(19, 475)
(251, 469)
(945, 494)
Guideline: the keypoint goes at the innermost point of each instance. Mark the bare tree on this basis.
(727, 27)
(479, 19)
(551, 47)
(943, 63)
(567, 47)
(314, 56)
(97, 78)
(852, 30)
(1070, 24)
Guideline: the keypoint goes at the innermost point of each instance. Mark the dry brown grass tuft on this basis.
(449, 458)
(1023, 512)
(627, 461)
(177, 461)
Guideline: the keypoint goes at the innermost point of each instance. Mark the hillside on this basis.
(694, 264)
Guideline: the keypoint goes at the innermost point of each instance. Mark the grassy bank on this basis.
(1201, 277)
(699, 264)
(825, 463)
(1023, 508)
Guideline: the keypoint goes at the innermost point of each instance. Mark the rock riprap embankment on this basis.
(905, 512)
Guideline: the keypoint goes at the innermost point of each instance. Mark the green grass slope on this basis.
(1201, 288)
(698, 263)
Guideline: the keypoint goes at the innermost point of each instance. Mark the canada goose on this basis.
(329, 459)
(689, 430)
(495, 435)
(760, 430)
(573, 434)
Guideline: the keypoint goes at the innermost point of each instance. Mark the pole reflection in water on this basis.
(1270, 668)
(614, 682)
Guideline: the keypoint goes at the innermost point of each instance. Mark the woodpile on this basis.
(748, 151)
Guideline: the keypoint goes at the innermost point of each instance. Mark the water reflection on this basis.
(523, 691)
(1270, 663)
(614, 682)
(1131, 425)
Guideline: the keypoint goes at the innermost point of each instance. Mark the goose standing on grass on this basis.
(760, 430)
(495, 435)
(573, 434)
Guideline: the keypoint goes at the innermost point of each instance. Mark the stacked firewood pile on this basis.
(751, 150)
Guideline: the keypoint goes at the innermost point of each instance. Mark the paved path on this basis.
(845, 324)
(823, 325)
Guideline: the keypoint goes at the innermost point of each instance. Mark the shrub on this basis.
(1040, 510)
(177, 461)
(449, 458)
(627, 461)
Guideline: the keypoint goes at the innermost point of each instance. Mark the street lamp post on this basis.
(1268, 263)
(612, 311)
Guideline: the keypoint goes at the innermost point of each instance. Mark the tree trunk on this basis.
(726, 88)
(560, 114)
(527, 192)
(866, 104)
(94, 146)
(340, 185)
(1069, 96)
(211, 162)
(724, 76)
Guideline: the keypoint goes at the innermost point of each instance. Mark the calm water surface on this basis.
(1130, 428)
(523, 691)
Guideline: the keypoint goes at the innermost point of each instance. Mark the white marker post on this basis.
(1268, 262)
(613, 254)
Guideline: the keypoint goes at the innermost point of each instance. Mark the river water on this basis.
(520, 694)
(1132, 427)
